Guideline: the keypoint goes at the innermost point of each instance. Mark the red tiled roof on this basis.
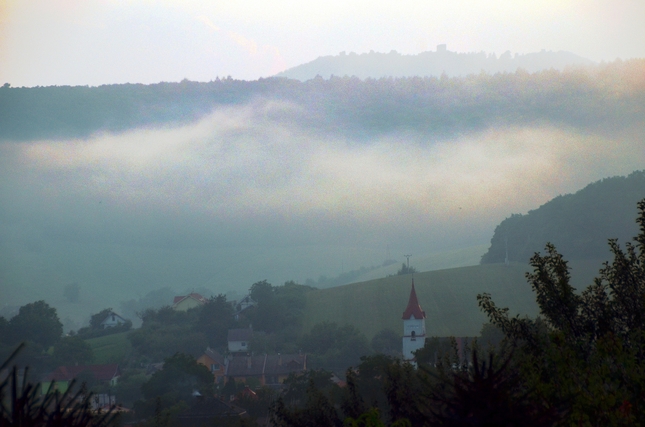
(284, 364)
(246, 366)
(413, 308)
(67, 373)
(273, 364)
(247, 392)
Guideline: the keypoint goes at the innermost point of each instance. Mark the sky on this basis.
(94, 42)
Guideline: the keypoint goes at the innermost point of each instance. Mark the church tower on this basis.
(414, 326)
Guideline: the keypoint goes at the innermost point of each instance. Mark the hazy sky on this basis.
(47, 42)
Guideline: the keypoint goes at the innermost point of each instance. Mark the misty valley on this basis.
(356, 241)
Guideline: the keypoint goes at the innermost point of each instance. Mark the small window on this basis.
(243, 344)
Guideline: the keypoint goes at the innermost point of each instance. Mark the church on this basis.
(414, 326)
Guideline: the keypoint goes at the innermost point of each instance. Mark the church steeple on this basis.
(414, 326)
(413, 308)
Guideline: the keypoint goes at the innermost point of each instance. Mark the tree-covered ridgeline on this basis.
(577, 224)
(379, 64)
(607, 96)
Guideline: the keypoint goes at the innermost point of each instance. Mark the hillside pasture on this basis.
(449, 298)
(110, 348)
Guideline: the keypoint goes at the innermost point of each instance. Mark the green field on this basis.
(447, 296)
(110, 348)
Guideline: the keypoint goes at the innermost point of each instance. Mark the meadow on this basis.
(449, 298)
(110, 348)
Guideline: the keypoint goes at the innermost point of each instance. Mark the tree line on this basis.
(606, 96)
(577, 224)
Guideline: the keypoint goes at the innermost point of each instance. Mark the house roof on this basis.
(111, 313)
(274, 364)
(240, 334)
(247, 299)
(278, 364)
(68, 373)
(247, 392)
(214, 355)
(246, 366)
(193, 295)
(248, 303)
(413, 308)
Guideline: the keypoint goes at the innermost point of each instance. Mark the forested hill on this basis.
(607, 96)
(394, 64)
(577, 224)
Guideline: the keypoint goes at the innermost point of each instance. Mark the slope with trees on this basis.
(443, 61)
(577, 224)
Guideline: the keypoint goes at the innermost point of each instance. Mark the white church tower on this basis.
(414, 326)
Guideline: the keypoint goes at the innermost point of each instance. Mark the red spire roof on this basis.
(413, 307)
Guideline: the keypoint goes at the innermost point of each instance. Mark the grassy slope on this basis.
(447, 296)
(110, 348)
(432, 261)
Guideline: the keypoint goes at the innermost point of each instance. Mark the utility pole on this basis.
(407, 256)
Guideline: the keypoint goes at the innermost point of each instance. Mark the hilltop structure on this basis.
(414, 326)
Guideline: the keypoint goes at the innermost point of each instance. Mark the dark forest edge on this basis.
(577, 224)
(606, 96)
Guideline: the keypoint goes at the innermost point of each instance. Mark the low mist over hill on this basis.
(126, 189)
(442, 61)
(577, 224)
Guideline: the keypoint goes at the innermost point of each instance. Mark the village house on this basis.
(215, 363)
(244, 304)
(111, 320)
(239, 339)
(186, 302)
(267, 369)
(63, 375)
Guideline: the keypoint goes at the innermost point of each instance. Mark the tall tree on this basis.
(36, 322)
(587, 347)
(215, 319)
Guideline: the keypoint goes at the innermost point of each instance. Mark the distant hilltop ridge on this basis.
(442, 61)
